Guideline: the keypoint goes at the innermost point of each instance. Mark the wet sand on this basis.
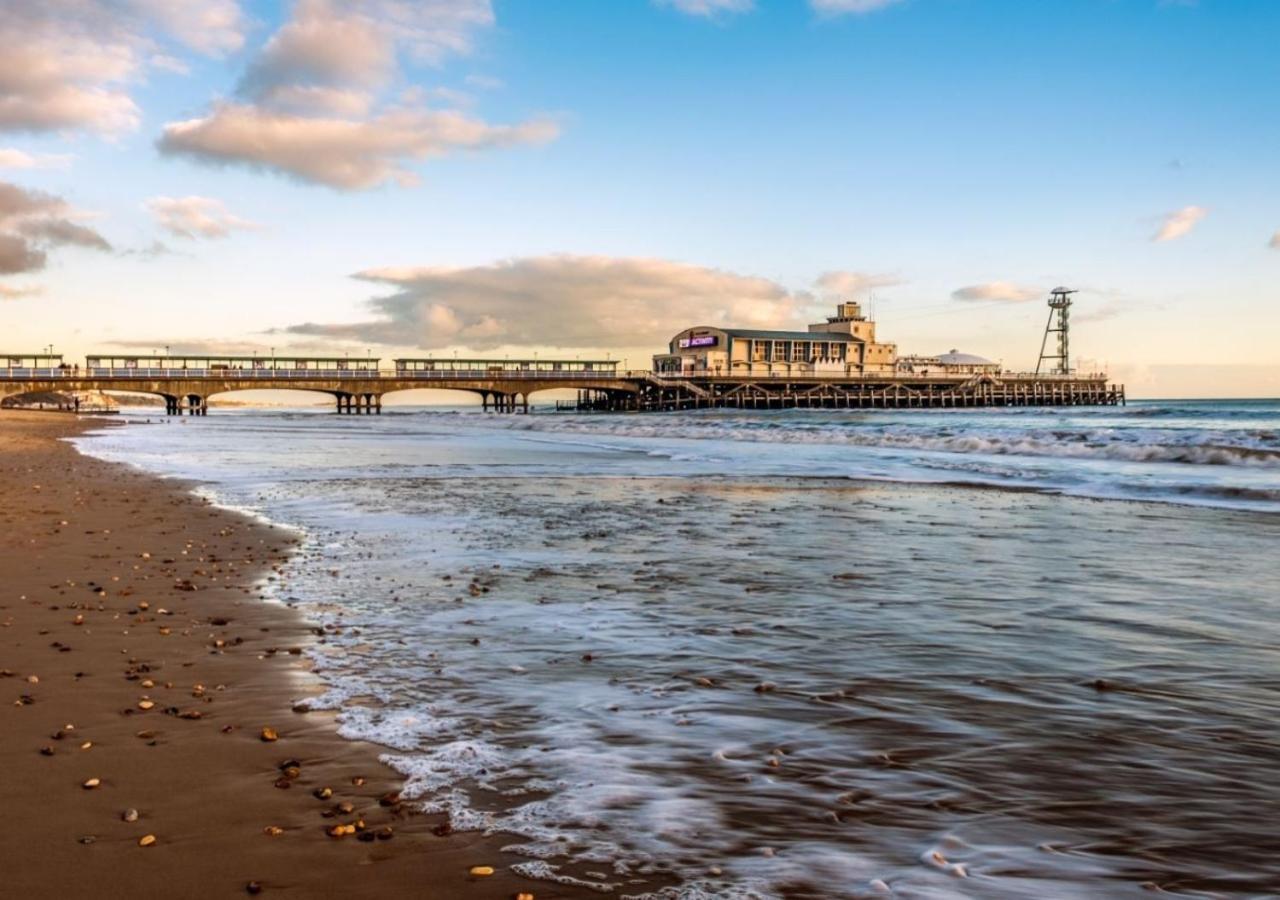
(135, 649)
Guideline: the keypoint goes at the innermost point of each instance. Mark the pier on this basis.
(358, 387)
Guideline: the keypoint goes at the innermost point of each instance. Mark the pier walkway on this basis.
(506, 386)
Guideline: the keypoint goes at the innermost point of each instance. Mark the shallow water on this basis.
(681, 646)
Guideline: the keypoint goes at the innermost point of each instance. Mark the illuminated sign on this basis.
(702, 340)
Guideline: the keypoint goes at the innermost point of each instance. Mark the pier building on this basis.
(845, 344)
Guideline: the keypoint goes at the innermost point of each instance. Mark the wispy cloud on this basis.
(844, 283)
(996, 290)
(1179, 224)
(313, 103)
(709, 8)
(17, 159)
(849, 7)
(196, 217)
(18, 291)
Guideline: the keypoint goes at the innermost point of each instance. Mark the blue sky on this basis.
(606, 173)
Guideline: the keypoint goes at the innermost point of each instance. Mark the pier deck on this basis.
(361, 391)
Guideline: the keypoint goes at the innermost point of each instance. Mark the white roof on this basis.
(956, 358)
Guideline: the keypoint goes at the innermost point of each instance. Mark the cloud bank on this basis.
(561, 301)
(314, 103)
(1179, 224)
(196, 217)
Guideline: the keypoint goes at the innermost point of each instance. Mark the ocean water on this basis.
(1026, 653)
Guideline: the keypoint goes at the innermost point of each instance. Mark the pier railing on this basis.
(266, 374)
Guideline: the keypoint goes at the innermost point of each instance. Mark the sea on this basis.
(794, 654)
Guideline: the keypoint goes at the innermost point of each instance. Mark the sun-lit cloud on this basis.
(32, 223)
(996, 290)
(709, 8)
(317, 101)
(70, 65)
(560, 301)
(1179, 224)
(196, 217)
(349, 154)
(849, 7)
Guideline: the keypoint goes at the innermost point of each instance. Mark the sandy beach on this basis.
(143, 677)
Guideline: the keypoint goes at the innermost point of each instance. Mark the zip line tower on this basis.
(1059, 322)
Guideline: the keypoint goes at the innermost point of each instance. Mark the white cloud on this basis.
(312, 105)
(847, 7)
(709, 8)
(1179, 224)
(33, 222)
(561, 301)
(17, 159)
(68, 65)
(349, 154)
(996, 290)
(196, 217)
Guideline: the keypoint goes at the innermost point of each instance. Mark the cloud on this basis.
(68, 65)
(349, 154)
(1274, 243)
(1179, 224)
(312, 104)
(33, 222)
(709, 8)
(996, 290)
(17, 159)
(849, 7)
(196, 217)
(560, 301)
(847, 284)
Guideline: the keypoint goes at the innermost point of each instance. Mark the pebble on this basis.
(129, 815)
(91, 784)
(323, 793)
(146, 840)
(269, 734)
(273, 831)
(481, 871)
(765, 687)
(146, 704)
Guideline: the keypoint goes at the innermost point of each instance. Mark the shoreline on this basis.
(138, 650)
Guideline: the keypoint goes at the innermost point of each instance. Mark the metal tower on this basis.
(1059, 308)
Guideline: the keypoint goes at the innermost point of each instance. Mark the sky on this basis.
(587, 177)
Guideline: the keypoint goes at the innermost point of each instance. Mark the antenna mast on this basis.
(1059, 309)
